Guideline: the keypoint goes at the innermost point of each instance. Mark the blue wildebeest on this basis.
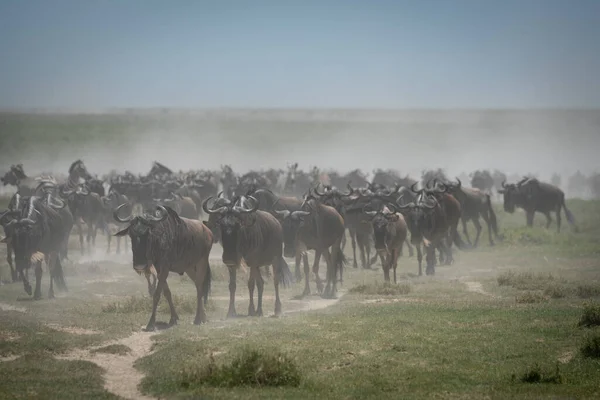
(389, 233)
(256, 238)
(89, 208)
(167, 243)
(474, 204)
(534, 196)
(38, 234)
(316, 227)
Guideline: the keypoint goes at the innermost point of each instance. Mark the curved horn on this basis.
(369, 213)
(283, 214)
(504, 183)
(444, 188)
(400, 206)
(424, 204)
(300, 213)
(119, 219)
(244, 210)
(459, 182)
(392, 208)
(56, 203)
(350, 188)
(209, 211)
(83, 191)
(316, 190)
(412, 188)
(163, 215)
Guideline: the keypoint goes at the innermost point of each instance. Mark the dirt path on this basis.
(10, 307)
(121, 377)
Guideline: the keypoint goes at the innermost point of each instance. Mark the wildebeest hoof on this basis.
(28, 290)
(50, 295)
(259, 313)
(173, 322)
(150, 328)
(232, 314)
(37, 296)
(306, 292)
(251, 312)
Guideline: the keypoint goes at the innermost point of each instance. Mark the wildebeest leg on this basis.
(385, 262)
(251, 285)
(276, 284)
(232, 286)
(51, 262)
(13, 270)
(89, 237)
(353, 241)
(465, 230)
(529, 215)
(395, 255)
(344, 240)
(430, 259)
(108, 240)
(558, 219)
(478, 227)
(486, 218)
(199, 276)
(38, 281)
(80, 232)
(306, 274)
(167, 292)
(331, 285)
(411, 251)
(151, 279)
(419, 258)
(260, 285)
(548, 219)
(316, 271)
(361, 239)
(162, 279)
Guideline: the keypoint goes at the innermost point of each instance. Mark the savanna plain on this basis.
(516, 320)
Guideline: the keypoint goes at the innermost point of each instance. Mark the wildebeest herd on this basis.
(260, 218)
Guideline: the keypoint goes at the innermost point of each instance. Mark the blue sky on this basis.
(328, 53)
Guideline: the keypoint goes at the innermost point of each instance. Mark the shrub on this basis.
(537, 375)
(591, 347)
(590, 316)
(251, 367)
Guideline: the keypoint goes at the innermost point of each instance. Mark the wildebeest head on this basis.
(333, 197)
(139, 229)
(380, 220)
(75, 198)
(418, 216)
(290, 223)
(13, 176)
(232, 219)
(78, 169)
(512, 195)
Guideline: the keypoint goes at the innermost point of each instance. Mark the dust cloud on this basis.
(515, 142)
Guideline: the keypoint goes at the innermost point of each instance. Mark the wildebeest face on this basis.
(510, 193)
(139, 233)
(380, 224)
(230, 226)
(291, 222)
(9, 179)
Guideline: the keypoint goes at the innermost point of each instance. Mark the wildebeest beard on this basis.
(290, 227)
(380, 228)
(25, 241)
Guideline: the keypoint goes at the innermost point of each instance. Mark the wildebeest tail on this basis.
(207, 284)
(58, 275)
(569, 214)
(492, 214)
(285, 274)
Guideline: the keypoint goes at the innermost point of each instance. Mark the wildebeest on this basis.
(37, 235)
(256, 238)
(534, 196)
(474, 203)
(6, 217)
(16, 177)
(316, 227)
(110, 202)
(170, 243)
(86, 206)
(389, 233)
(184, 206)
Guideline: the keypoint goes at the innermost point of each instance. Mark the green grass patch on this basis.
(586, 291)
(43, 377)
(531, 297)
(138, 304)
(118, 349)
(383, 289)
(526, 280)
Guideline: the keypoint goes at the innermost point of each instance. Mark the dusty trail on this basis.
(121, 377)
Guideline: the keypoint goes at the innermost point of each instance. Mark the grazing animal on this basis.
(534, 196)
(170, 243)
(474, 203)
(37, 235)
(256, 238)
(316, 227)
(389, 232)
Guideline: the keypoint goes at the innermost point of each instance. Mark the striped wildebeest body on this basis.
(316, 227)
(12, 213)
(38, 234)
(474, 204)
(534, 196)
(164, 242)
(389, 234)
(256, 238)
